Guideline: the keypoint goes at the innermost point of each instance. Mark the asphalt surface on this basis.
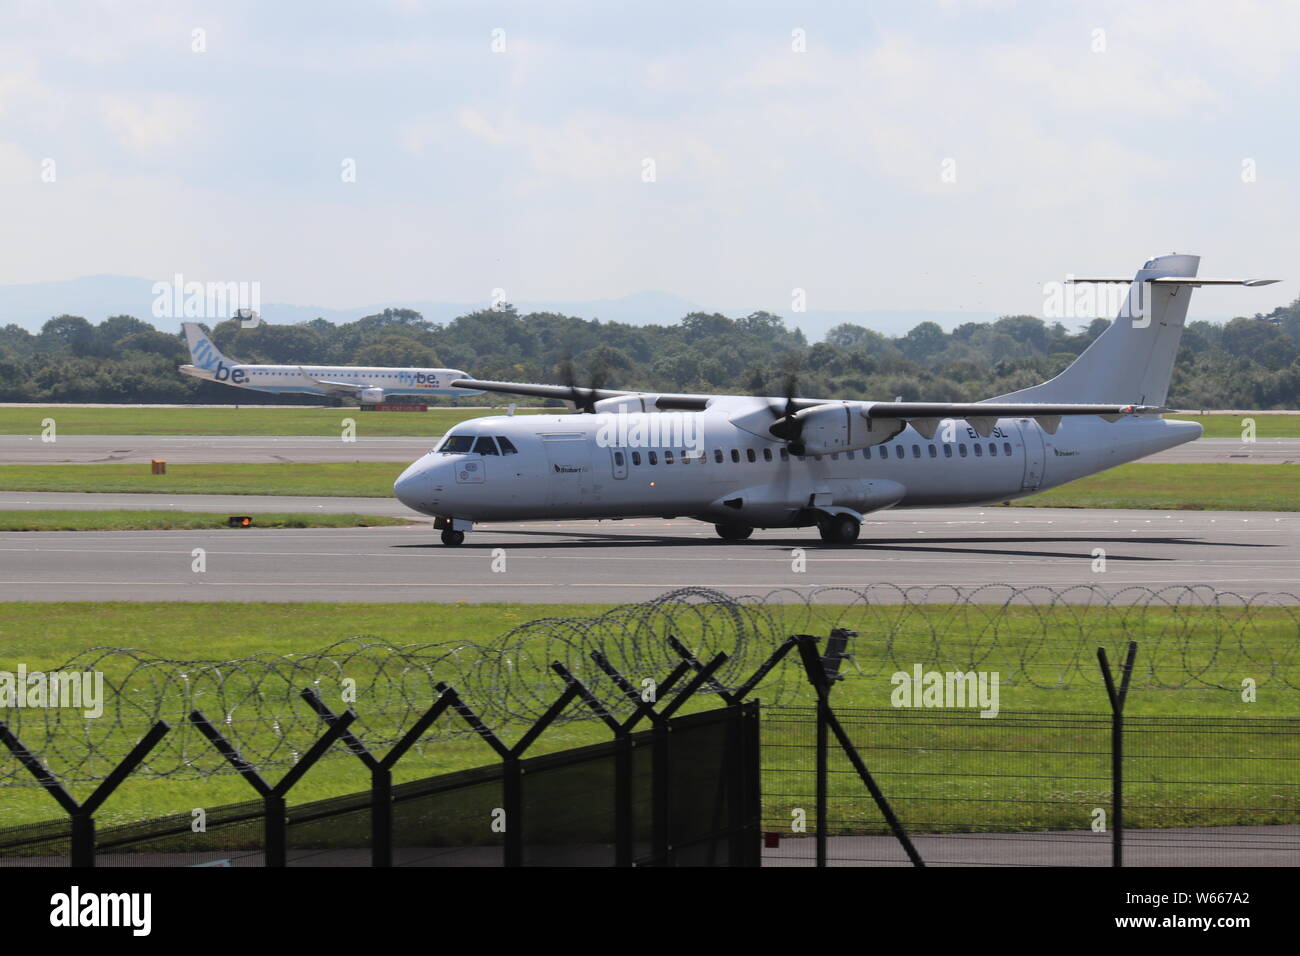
(621, 561)
(188, 449)
(1206, 846)
(1202, 846)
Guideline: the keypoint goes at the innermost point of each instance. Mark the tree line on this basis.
(1243, 363)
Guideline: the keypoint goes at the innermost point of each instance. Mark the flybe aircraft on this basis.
(366, 385)
(743, 462)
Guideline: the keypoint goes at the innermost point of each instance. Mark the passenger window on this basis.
(668, 458)
(767, 454)
(884, 451)
(866, 454)
(485, 446)
(506, 447)
(899, 452)
(1006, 448)
(961, 449)
(618, 458)
(916, 451)
(785, 453)
(749, 454)
(636, 458)
(850, 455)
(735, 455)
(993, 448)
(652, 458)
(717, 455)
(947, 451)
(979, 450)
(934, 452)
(686, 457)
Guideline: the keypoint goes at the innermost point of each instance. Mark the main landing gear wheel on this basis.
(731, 531)
(840, 529)
(453, 538)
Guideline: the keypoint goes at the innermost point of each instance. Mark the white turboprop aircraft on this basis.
(742, 462)
(367, 385)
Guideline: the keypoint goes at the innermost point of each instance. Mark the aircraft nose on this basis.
(411, 486)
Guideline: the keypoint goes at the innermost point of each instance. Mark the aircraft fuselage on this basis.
(564, 466)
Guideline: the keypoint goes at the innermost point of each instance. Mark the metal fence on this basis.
(1029, 789)
(684, 792)
(840, 784)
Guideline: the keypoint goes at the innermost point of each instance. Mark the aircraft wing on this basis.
(336, 388)
(563, 392)
(925, 416)
(584, 398)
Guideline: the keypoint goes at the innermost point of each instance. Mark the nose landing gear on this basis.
(453, 529)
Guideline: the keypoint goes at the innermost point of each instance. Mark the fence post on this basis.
(1117, 698)
(81, 849)
(274, 822)
(816, 670)
(624, 842)
(381, 785)
(823, 774)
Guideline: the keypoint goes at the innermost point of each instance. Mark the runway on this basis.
(188, 449)
(622, 561)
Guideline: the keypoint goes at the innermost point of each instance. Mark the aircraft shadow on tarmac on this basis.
(956, 545)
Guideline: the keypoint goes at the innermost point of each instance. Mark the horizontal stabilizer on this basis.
(1181, 280)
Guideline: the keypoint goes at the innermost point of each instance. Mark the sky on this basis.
(913, 155)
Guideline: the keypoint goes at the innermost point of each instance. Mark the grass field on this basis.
(1202, 487)
(1230, 426)
(175, 520)
(1038, 645)
(287, 420)
(1214, 486)
(303, 420)
(345, 479)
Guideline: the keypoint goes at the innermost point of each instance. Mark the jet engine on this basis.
(371, 396)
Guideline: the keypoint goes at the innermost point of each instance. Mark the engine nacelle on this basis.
(371, 396)
(828, 428)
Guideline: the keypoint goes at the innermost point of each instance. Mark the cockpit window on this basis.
(456, 444)
(507, 448)
(485, 446)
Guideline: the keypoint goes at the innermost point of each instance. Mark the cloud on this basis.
(148, 126)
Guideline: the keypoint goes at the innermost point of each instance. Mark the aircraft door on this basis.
(1031, 436)
(569, 475)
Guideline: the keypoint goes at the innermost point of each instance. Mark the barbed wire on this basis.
(1039, 637)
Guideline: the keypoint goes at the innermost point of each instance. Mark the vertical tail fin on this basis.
(1133, 360)
(202, 351)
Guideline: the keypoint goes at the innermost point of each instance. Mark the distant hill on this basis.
(97, 297)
